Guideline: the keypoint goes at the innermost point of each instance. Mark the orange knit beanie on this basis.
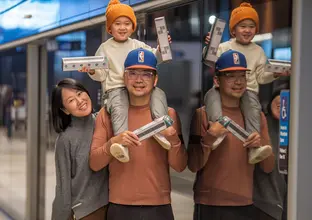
(244, 11)
(115, 9)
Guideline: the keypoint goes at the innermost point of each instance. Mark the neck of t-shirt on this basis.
(230, 107)
(139, 107)
(231, 110)
(118, 43)
(139, 101)
(250, 45)
(230, 102)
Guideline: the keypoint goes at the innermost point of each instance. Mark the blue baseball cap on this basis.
(141, 59)
(231, 60)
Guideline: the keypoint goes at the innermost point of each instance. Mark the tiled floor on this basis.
(13, 182)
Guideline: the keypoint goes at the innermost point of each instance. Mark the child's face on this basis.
(121, 29)
(245, 31)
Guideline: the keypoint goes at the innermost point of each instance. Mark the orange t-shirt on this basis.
(224, 176)
(145, 179)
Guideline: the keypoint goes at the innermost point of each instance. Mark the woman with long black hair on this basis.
(80, 193)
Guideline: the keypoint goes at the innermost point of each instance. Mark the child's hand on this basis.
(207, 38)
(282, 74)
(85, 69)
(169, 39)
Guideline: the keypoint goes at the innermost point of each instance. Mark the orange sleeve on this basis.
(177, 156)
(99, 154)
(199, 142)
(268, 164)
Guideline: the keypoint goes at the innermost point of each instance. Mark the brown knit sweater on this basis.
(145, 179)
(224, 176)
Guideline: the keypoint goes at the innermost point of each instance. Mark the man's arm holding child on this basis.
(177, 155)
(268, 164)
(255, 140)
(203, 134)
(100, 155)
(103, 139)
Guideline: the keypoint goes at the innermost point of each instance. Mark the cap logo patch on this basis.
(236, 58)
(141, 57)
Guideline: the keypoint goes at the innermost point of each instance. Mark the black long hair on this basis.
(61, 120)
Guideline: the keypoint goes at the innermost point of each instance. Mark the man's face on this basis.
(232, 84)
(140, 82)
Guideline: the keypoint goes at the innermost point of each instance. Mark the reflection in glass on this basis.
(13, 130)
(185, 80)
(76, 44)
(180, 79)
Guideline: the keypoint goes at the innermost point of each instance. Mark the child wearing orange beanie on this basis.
(244, 24)
(121, 23)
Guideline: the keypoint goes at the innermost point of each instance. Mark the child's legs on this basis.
(117, 106)
(159, 106)
(212, 101)
(251, 109)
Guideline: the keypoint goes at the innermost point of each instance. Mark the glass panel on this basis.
(185, 81)
(180, 79)
(188, 31)
(275, 39)
(22, 18)
(13, 128)
(76, 44)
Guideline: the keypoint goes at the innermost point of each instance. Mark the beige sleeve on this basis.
(221, 49)
(100, 74)
(262, 76)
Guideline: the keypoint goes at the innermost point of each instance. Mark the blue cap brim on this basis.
(236, 68)
(140, 67)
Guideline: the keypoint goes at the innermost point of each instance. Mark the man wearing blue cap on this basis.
(224, 180)
(140, 188)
